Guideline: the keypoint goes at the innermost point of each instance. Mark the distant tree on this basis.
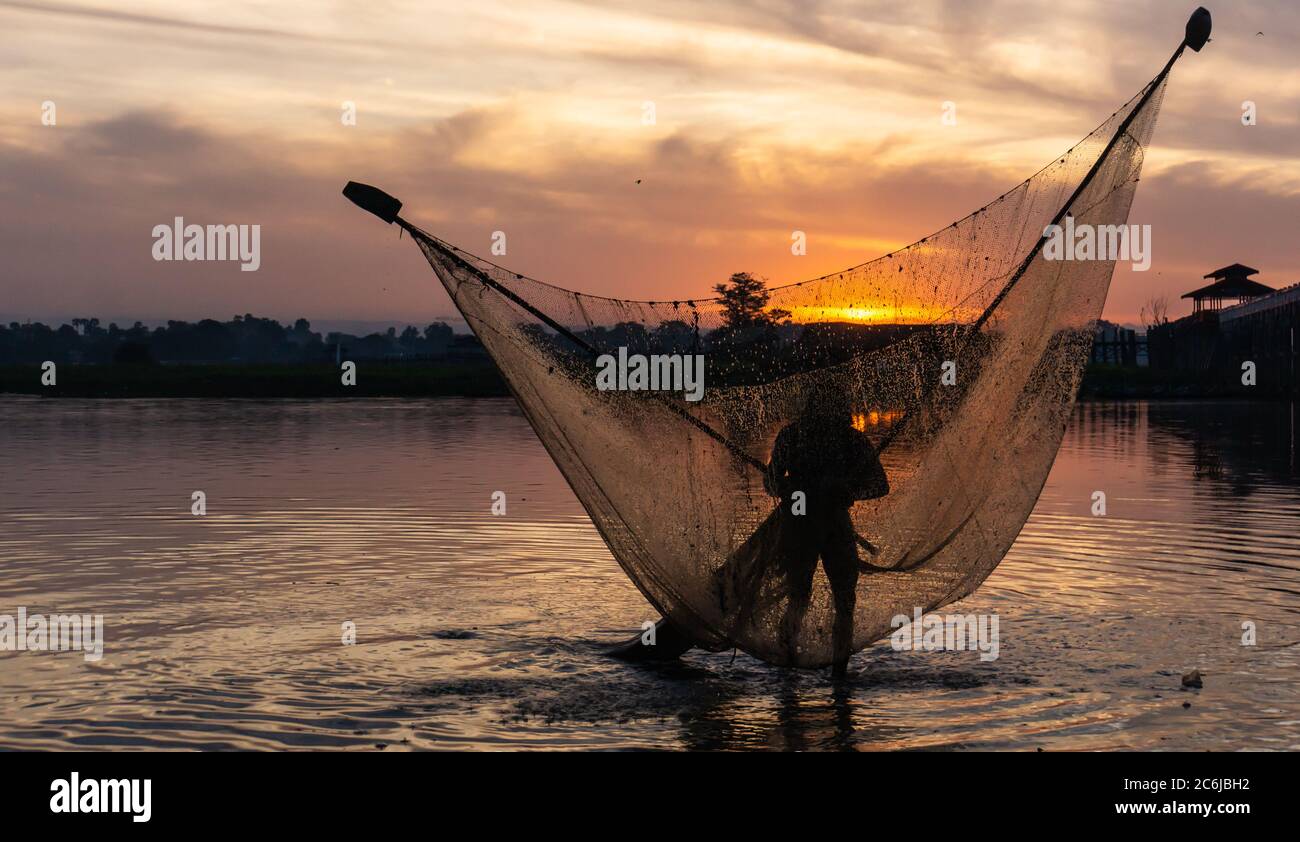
(86, 327)
(1155, 312)
(744, 302)
(133, 353)
(674, 337)
(438, 336)
(631, 335)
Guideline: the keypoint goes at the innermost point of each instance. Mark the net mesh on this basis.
(686, 494)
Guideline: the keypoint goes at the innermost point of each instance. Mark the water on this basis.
(476, 631)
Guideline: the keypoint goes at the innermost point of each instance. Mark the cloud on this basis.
(773, 116)
(115, 16)
(703, 210)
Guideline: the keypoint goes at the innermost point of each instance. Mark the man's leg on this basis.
(840, 560)
(798, 563)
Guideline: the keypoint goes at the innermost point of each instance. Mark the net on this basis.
(952, 364)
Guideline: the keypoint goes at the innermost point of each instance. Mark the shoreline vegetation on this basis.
(252, 357)
(472, 378)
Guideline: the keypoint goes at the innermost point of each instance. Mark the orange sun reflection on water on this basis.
(875, 418)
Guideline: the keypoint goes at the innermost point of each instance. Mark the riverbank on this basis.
(1115, 382)
(373, 380)
(459, 378)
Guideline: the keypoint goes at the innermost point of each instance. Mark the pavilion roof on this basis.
(1231, 287)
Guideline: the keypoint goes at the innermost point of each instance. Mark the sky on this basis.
(531, 118)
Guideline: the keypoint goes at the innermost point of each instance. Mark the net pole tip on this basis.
(1198, 29)
(373, 199)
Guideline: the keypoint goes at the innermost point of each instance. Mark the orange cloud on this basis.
(530, 120)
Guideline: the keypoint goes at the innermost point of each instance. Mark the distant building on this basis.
(1114, 344)
(1234, 320)
(1231, 283)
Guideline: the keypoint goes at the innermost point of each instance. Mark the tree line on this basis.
(751, 340)
(246, 339)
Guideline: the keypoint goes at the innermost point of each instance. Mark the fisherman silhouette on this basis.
(820, 466)
(824, 457)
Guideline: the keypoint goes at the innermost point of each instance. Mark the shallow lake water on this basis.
(475, 631)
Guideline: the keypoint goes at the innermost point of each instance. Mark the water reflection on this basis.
(1236, 447)
(476, 631)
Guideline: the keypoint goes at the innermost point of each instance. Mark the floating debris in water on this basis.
(455, 634)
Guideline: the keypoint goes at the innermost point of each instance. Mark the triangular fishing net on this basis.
(677, 488)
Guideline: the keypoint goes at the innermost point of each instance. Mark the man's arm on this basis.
(774, 478)
(869, 473)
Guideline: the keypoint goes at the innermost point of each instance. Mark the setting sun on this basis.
(894, 314)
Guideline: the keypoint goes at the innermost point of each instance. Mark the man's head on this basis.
(828, 407)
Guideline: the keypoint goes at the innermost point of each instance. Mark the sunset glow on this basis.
(896, 314)
(638, 150)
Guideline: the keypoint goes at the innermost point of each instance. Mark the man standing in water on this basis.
(822, 455)
(834, 465)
